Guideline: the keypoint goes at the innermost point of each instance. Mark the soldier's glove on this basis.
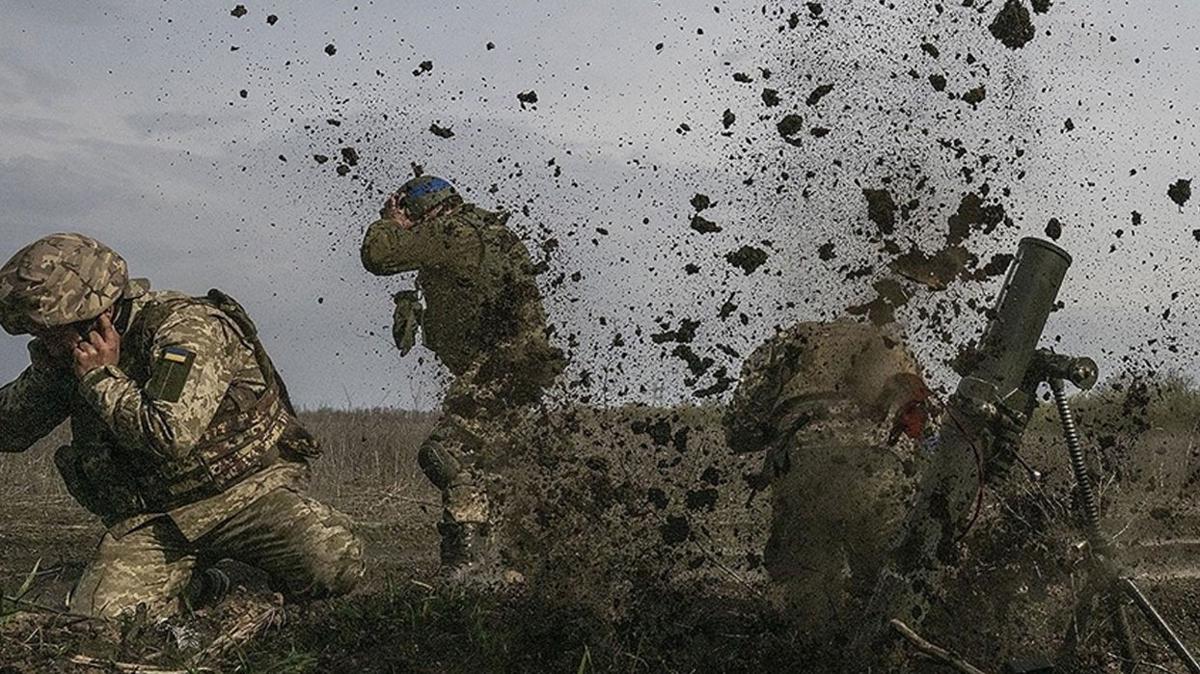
(1006, 427)
(406, 319)
(776, 463)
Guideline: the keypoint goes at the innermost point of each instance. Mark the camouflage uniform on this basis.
(484, 320)
(186, 449)
(837, 406)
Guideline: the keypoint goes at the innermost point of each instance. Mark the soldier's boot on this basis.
(208, 587)
(470, 556)
(467, 550)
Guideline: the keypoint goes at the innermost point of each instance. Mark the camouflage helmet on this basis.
(421, 194)
(59, 279)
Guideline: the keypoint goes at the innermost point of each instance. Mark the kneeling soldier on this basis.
(184, 441)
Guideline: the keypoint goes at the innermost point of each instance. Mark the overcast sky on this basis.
(127, 122)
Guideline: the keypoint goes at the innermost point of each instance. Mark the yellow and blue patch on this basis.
(170, 374)
(176, 355)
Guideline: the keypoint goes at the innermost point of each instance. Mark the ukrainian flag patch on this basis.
(170, 374)
(176, 355)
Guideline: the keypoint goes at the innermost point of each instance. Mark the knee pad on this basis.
(438, 464)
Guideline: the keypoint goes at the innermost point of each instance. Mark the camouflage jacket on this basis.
(478, 282)
(143, 411)
(829, 382)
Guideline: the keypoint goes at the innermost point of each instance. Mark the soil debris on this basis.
(789, 126)
(1012, 25)
(747, 258)
(817, 94)
(881, 210)
(1180, 191)
(527, 98)
(685, 333)
(975, 96)
(973, 214)
(704, 225)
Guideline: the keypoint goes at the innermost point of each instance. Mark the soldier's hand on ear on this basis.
(388, 212)
(393, 210)
(102, 347)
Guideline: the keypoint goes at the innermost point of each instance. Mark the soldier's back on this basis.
(825, 396)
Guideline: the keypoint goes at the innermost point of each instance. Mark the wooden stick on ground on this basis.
(936, 652)
(130, 667)
(32, 606)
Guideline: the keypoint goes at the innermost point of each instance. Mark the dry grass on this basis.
(368, 449)
(373, 449)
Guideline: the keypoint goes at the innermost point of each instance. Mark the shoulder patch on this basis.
(171, 373)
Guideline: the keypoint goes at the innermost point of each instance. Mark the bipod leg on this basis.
(1159, 624)
(1098, 594)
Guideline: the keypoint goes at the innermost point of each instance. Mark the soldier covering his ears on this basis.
(484, 320)
(184, 441)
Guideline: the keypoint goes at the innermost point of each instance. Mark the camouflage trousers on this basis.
(307, 549)
(477, 429)
(455, 459)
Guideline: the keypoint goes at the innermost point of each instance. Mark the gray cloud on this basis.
(171, 123)
(37, 13)
(27, 80)
(42, 191)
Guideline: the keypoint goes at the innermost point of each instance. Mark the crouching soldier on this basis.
(184, 441)
(837, 407)
(483, 318)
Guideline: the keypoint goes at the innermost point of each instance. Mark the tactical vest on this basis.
(246, 434)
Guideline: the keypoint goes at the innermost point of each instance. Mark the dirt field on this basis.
(648, 557)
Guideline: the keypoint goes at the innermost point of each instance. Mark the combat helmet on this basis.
(60, 279)
(421, 194)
